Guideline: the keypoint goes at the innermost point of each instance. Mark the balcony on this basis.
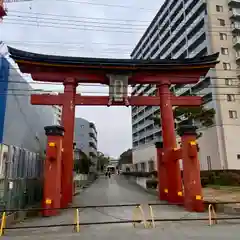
(236, 27)
(238, 56)
(236, 42)
(92, 126)
(235, 14)
(92, 145)
(238, 71)
(234, 3)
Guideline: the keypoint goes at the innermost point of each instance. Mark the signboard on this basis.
(118, 88)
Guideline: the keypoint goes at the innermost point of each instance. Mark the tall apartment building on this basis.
(21, 124)
(57, 115)
(85, 137)
(186, 29)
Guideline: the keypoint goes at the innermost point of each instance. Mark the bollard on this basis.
(152, 223)
(141, 216)
(212, 215)
(3, 224)
(77, 221)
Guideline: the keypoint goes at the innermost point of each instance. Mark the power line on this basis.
(67, 27)
(36, 91)
(78, 17)
(105, 85)
(93, 27)
(110, 49)
(219, 96)
(86, 20)
(106, 5)
(68, 43)
(44, 43)
(76, 23)
(22, 18)
(95, 23)
(96, 18)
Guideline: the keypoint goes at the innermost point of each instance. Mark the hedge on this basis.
(141, 174)
(152, 183)
(214, 177)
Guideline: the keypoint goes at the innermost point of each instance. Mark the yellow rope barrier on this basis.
(3, 224)
(152, 224)
(212, 215)
(140, 216)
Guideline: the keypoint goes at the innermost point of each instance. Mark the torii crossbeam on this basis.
(118, 74)
(47, 99)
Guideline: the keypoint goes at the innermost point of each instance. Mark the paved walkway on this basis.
(117, 190)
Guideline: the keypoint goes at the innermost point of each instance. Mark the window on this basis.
(224, 51)
(82, 126)
(219, 8)
(238, 156)
(142, 167)
(233, 114)
(229, 81)
(151, 166)
(209, 163)
(136, 167)
(226, 66)
(222, 22)
(230, 97)
(223, 36)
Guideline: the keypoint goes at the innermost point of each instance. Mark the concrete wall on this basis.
(144, 154)
(23, 124)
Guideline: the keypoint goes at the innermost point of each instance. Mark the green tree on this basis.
(102, 161)
(199, 116)
(82, 165)
(125, 157)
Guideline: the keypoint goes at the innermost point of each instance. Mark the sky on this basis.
(84, 28)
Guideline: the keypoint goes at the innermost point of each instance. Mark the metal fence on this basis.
(20, 177)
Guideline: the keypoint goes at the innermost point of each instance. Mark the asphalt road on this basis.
(118, 190)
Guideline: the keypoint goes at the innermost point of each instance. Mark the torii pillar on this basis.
(68, 119)
(161, 172)
(174, 183)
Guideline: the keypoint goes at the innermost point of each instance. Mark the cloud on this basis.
(72, 22)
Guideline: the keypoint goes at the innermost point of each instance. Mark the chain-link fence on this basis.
(20, 177)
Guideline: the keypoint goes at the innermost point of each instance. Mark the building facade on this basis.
(21, 124)
(57, 115)
(85, 137)
(186, 29)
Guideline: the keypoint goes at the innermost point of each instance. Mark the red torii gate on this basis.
(72, 70)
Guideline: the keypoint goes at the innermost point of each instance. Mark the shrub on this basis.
(151, 183)
(220, 177)
(139, 174)
(213, 177)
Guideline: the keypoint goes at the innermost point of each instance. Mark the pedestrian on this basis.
(109, 174)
